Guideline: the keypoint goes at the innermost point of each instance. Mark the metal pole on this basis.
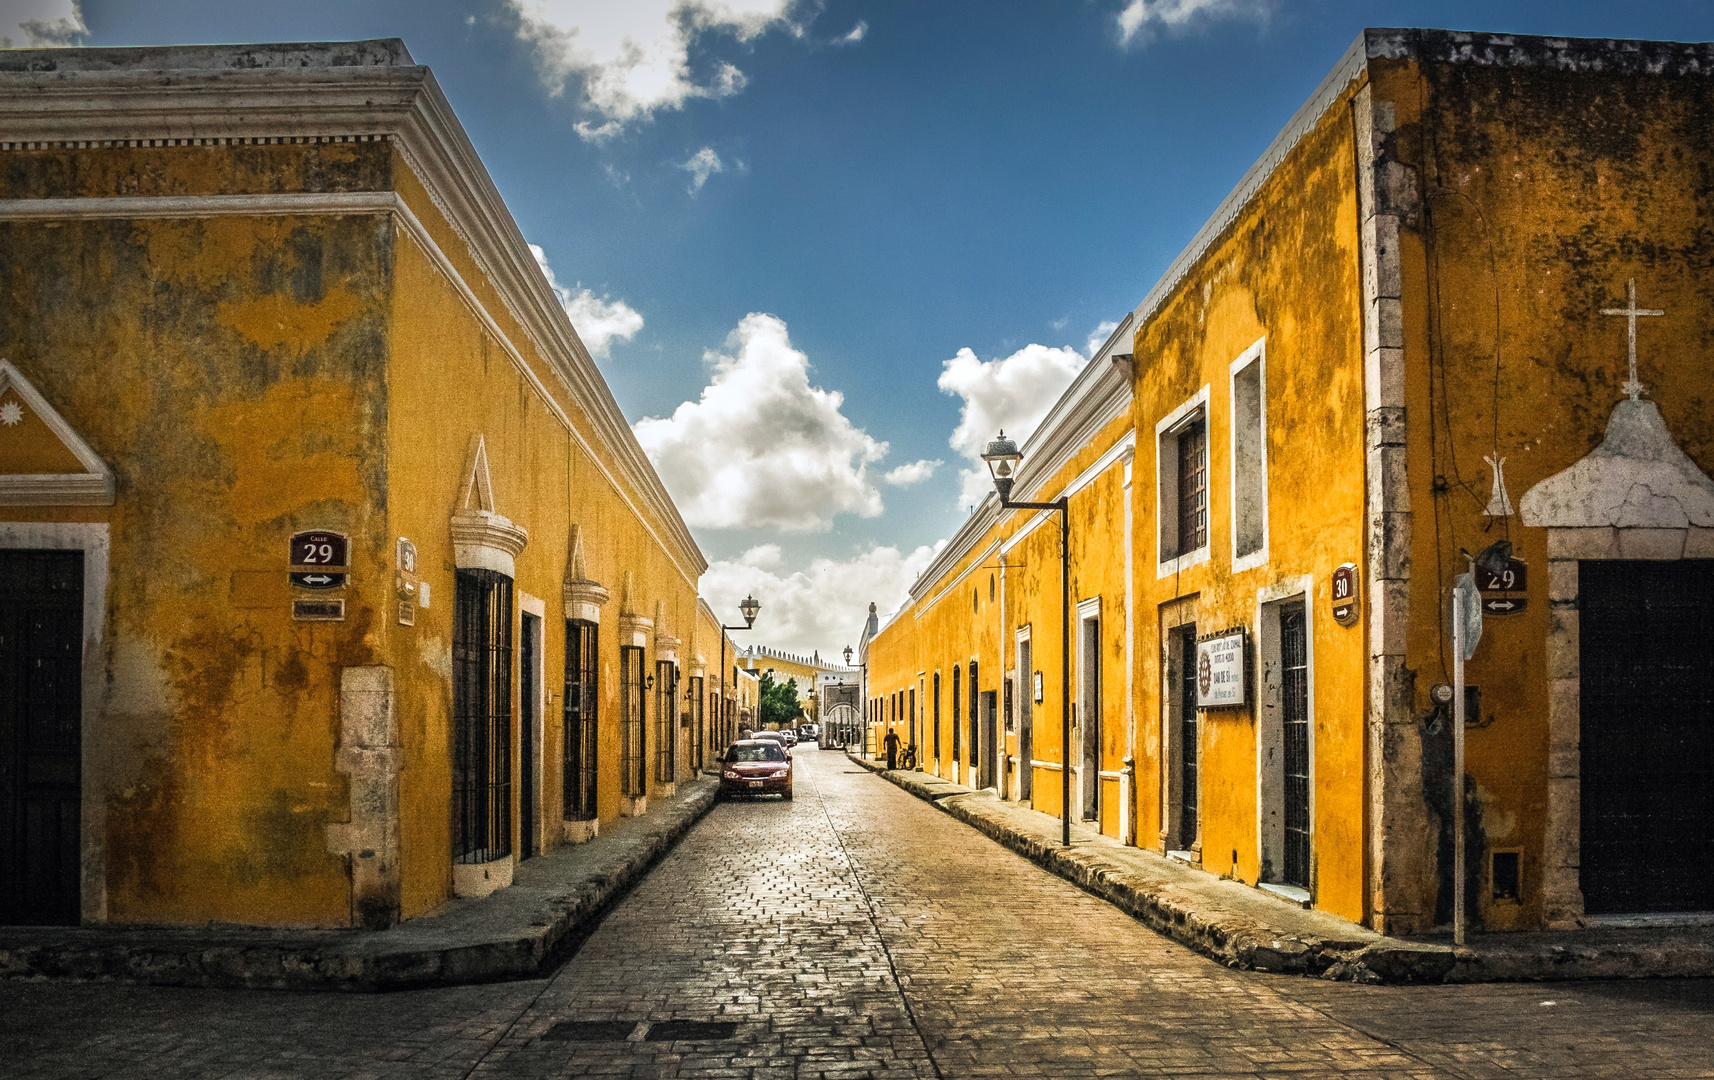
(1457, 775)
(1065, 669)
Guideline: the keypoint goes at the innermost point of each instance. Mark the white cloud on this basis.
(914, 473)
(39, 23)
(854, 35)
(1013, 394)
(701, 165)
(631, 59)
(599, 321)
(762, 448)
(1098, 337)
(1141, 20)
(821, 607)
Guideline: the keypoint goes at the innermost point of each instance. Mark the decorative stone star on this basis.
(11, 413)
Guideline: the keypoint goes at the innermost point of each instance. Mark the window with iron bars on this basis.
(482, 716)
(633, 765)
(1193, 487)
(698, 732)
(581, 655)
(666, 721)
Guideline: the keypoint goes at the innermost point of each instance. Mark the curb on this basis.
(1343, 951)
(516, 933)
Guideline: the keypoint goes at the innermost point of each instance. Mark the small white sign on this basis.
(1220, 671)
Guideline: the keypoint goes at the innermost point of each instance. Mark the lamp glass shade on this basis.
(750, 607)
(1002, 457)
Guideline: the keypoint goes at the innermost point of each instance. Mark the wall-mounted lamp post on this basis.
(748, 609)
(1002, 457)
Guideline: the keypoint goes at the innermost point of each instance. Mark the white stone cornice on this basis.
(83, 96)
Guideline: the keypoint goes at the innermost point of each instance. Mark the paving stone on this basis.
(858, 932)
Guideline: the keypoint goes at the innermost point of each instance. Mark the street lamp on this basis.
(1002, 457)
(748, 609)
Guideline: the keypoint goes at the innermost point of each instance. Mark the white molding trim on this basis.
(1165, 567)
(1121, 451)
(1256, 354)
(92, 487)
(94, 541)
(403, 106)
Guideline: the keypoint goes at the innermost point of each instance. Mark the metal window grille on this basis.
(666, 716)
(580, 719)
(973, 713)
(1193, 487)
(937, 716)
(482, 717)
(957, 711)
(633, 765)
(1187, 822)
(1294, 665)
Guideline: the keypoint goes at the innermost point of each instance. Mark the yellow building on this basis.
(353, 584)
(811, 673)
(1414, 310)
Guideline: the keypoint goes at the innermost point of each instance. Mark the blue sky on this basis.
(815, 207)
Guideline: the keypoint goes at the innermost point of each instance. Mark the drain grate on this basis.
(590, 1031)
(690, 1030)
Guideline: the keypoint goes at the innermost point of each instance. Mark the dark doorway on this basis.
(482, 717)
(1026, 724)
(1647, 658)
(580, 701)
(1294, 720)
(529, 648)
(1089, 717)
(990, 738)
(41, 735)
(633, 754)
(974, 717)
(1187, 740)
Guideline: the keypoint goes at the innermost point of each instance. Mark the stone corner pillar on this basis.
(369, 756)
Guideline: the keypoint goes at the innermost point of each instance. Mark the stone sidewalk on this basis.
(1249, 929)
(555, 901)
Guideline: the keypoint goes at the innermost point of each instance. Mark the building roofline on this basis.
(308, 90)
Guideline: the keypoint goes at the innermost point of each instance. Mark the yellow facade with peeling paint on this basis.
(1401, 341)
(318, 317)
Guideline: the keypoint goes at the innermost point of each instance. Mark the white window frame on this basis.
(1255, 354)
(1167, 509)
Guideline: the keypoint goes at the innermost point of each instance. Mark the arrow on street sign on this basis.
(318, 580)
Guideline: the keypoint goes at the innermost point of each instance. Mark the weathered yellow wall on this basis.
(1285, 272)
(545, 480)
(248, 377)
(1544, 192)
(247, 404)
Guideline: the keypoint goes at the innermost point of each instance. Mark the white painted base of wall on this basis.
(665, 791)
(581, 832)
(480, 879)
(633, 805)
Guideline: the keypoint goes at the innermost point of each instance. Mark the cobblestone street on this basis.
(859, 932)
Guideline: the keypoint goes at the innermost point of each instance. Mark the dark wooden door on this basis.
(1188, 742)
(1647, 658)
(1294, 671)
(580, 702)
(41, 729)
(529, 648)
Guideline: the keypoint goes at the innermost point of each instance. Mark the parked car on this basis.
(755, 767)
(789, 736)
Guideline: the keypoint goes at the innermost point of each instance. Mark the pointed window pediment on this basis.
(43, 462)
(483, 539)
(1637, 478)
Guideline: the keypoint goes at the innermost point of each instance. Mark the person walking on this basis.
(891, 742)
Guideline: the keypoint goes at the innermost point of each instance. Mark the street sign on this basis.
(1466, 615)
(1504, 591)
(319, 559)
(320, 550)
(1345, 602)
(1220, 671)
(317, 580)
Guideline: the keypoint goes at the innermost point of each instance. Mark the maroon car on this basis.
(755, 767)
